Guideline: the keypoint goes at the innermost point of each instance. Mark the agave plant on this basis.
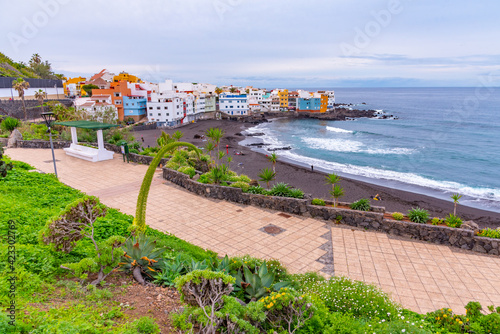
(141, 256)
(257, 284)
(169, 271)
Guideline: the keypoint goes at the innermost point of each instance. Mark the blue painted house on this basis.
(134, 106)
(309, 104)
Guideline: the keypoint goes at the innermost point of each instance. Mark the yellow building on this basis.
(283, 95)
(324, 103)
(124, 76)
(78, 82)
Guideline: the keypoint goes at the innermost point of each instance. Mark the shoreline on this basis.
(251, 162)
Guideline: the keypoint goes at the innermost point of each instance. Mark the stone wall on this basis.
(14, 108)
(368, 220)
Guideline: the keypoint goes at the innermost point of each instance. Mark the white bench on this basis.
(88, 153)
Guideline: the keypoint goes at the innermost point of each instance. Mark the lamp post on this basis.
(49, 117)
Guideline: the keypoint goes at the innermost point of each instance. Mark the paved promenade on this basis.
(421, 276)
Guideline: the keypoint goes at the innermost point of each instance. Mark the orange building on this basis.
(117, 91)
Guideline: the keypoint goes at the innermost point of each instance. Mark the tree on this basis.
(42, 68)
(332, 179)
(215, 134)
(20, 86)
(40, 95)
(142, 199)
(177, 135)
(232, 90)
(267, 175)
(88, 88)
(273, 158)
(218, 90)
(455, 198)
(336, 193)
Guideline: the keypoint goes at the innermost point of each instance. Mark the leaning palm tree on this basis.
(20, 86)
(455, 198)
(40, 95)
(267, 175)
(273, 158)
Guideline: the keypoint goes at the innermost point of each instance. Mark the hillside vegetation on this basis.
(36, 68)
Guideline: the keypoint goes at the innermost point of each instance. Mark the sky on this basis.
(264, 43)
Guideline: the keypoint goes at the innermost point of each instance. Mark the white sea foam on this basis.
(346, 145)
(338, 130)
(488, 194)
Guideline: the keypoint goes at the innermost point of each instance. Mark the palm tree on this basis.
(332, 179)
(267, 175)
(40, 95)
(232, 90)
(229, 160)
(455, 198)
(273, 158)
(20, 86)
(209, 147)
(216, 135)
(218, 90)
(177, 135)
(336, 192)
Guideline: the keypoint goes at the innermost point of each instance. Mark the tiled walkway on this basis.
(421, 276)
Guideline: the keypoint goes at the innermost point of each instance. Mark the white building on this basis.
(233, 105)
(257, 94)
(166, 109)
(97, 105)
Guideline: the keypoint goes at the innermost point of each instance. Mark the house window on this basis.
(166, 108)
(159, 114)
(126, 104)
(151, 114)
(150, 108)
(158, 108)
(117, 94)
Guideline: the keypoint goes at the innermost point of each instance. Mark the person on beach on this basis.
(376, 197)
(312, 168)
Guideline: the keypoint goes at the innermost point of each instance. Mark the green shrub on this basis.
(489, 233)
(397, 215)
(242, 185)
(436, 221)
(257, 190)
(361, 205)
(418, 215)
(343, 295)
(187, 170)
(283, 190)
(9, 124)
(318, 201)
(144, 325)
(204, 178)
(453, 221)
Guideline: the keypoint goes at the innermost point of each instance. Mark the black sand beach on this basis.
(313, 182)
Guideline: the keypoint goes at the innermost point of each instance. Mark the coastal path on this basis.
(420, 276)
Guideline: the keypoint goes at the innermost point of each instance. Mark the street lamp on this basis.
(49, 117)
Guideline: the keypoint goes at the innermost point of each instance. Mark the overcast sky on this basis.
(265, 43)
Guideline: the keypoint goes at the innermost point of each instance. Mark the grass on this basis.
(30, 199)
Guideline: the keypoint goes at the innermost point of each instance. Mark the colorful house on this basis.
(124, 76)
(134, 106)
(73, 86)
(317, 103)
(233, 105)
(283, 96)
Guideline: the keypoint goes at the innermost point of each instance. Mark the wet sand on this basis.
(313, 182)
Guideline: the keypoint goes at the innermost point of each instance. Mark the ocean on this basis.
(441, 141)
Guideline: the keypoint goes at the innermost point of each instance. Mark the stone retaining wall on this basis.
(369, 220)
(14, 108)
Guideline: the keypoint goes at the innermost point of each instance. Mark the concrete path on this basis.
(421, 276)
